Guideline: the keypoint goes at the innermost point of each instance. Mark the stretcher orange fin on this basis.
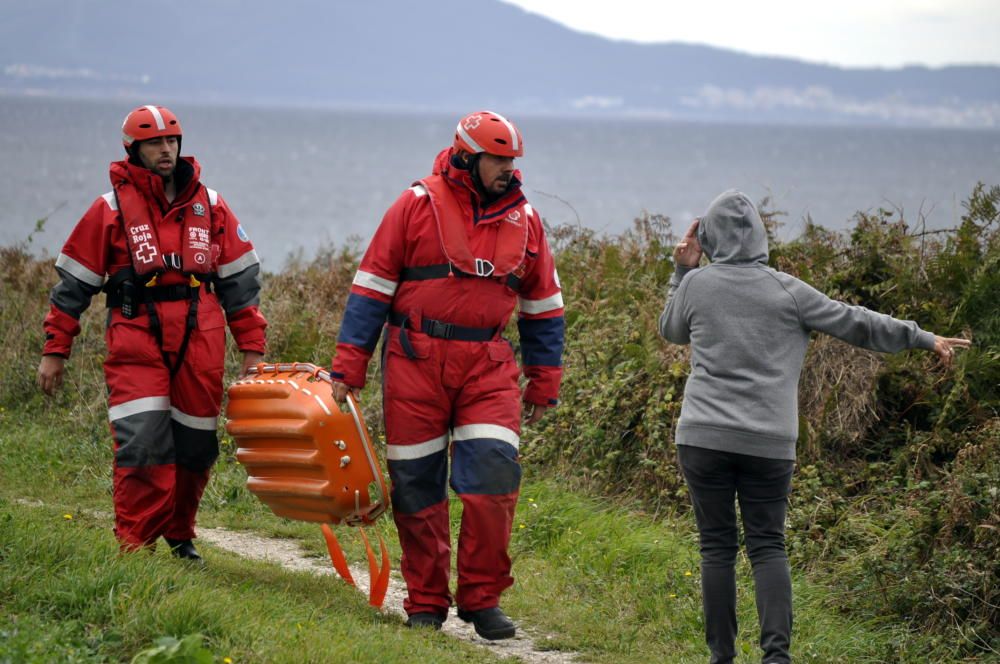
(379, 578)
(337, 555)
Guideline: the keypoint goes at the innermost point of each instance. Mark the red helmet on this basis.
(148, 122)
(486, 131)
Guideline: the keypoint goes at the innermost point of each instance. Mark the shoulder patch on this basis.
(213, 196)
(418, 190)
(242, 234)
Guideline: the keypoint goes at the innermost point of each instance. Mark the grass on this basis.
(594, 577)
(893, 523)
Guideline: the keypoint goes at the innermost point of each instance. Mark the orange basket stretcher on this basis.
(307, 459)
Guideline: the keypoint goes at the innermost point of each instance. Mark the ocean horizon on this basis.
(302, 179)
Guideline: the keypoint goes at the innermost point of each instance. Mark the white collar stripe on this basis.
(468, 139)
(160, 124)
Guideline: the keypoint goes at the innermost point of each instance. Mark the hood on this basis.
(187, 175)
(462, 179)
(442, 162)
(731, 231)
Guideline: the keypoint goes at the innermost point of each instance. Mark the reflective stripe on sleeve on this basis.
(375, 283)
(213, 196)
(111, 200)
(541, 306)
(79, 271)
(418, 190)
(238, 265)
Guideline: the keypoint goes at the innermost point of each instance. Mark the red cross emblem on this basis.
(146, 252)
(472, 122)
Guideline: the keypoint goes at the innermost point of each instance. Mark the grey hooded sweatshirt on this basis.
(748, 326)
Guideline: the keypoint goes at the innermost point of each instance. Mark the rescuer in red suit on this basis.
(452, 258)
(176, 267)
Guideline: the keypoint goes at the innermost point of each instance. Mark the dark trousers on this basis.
(716, 480)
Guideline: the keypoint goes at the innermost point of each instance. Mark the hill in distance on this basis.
(449, 55)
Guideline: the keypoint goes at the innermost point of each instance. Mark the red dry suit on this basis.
(163, 418)
(450, 381)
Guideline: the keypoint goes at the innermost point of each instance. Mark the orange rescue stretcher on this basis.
(307, 459)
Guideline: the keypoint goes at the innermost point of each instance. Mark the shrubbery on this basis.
(896, 503)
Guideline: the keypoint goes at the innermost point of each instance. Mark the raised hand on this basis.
(687, 253)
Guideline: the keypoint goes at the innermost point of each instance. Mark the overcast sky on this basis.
(886, 33)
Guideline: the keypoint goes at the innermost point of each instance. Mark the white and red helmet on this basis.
(148, 122)
(486, 131)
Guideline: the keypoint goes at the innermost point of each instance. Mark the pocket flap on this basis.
(501, 351)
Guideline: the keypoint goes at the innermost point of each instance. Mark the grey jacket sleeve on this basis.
(854, 324)
(673, 322)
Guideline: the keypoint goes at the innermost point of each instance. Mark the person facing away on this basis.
(748, 326)
(176, 266)
(452, 257)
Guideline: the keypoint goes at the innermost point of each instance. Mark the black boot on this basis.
(184, 549)
(431, 620)
(490, 623)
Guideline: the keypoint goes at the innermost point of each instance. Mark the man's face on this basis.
(159, 155)
(495, 172)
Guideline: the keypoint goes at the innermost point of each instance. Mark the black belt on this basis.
(443, 271)
(156, 294)
(440, 330)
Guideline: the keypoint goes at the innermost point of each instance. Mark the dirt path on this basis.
(290, 556)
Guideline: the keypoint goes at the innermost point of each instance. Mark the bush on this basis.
(895, 503)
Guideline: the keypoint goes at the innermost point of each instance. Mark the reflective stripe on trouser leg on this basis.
(197, 448)
(145, 406)
(420, 511)
(486, 475)
(143, 469)
(195, 397)
(416, 424)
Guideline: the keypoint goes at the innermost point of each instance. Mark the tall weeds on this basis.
(896, 501)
